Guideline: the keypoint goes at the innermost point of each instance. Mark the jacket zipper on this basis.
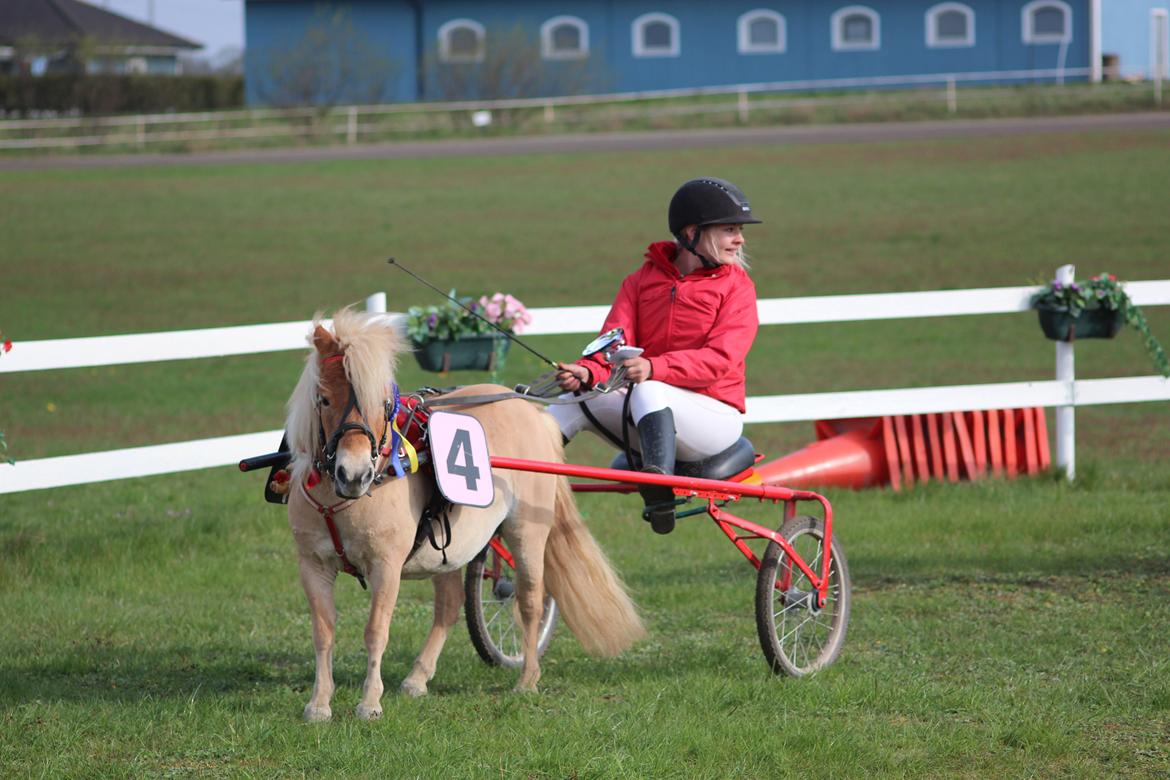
(670, 317)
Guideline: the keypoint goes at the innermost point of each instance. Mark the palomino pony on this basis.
(339, 401)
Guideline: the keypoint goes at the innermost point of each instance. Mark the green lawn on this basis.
(156, 627)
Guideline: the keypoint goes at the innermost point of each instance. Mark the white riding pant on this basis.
(705, 426)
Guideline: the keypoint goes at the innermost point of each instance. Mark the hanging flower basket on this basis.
(464, 333)
(1060, 324)
(476, 353)
(1094, 309)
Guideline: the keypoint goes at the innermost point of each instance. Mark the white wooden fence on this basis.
(1064, 392)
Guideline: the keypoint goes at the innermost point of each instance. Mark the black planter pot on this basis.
(476, 353)
(1059, 325)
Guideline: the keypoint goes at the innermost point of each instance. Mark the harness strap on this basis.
(327, 513)
(438, 508)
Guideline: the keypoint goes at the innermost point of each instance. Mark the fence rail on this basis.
(354, 124)
(1063, 393)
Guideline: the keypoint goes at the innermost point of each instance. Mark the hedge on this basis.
(68, 93)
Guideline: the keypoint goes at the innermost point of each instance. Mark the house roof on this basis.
(68, 21)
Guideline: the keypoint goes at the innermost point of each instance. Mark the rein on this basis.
(443, 397)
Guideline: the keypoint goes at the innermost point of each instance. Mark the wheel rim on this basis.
(500, 618)
(805, 633)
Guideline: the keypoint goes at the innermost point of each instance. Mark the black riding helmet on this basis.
(707, 201)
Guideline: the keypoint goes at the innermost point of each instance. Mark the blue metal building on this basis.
(644, 45)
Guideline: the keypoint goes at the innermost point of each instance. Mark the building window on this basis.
(950, 25)
(564, 38)
(1047, 21)
(655, 35)
(461, 40)
(856, 28)
(762, 32)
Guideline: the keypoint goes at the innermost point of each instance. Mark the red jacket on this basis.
(696, 330)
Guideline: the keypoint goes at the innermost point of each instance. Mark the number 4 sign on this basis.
(459, 453)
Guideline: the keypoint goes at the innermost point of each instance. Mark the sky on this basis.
(216, 24)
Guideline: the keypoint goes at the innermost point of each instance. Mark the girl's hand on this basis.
(638, 369)
(572, 377)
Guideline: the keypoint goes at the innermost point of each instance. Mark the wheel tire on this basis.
(491, 612)
(798, 640)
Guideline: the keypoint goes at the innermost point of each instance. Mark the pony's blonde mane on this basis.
(371, 344)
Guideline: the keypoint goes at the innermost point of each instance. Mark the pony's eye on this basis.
(322, 400)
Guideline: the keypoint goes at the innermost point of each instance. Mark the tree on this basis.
(331, 62)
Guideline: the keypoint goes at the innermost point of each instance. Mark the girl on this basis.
(692, 308)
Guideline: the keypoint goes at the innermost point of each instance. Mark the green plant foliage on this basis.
(1103, 291)
(466, 316)
(118, 94)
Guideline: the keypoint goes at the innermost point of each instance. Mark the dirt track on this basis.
(813, 134)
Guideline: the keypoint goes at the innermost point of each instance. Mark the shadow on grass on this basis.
(131, 674)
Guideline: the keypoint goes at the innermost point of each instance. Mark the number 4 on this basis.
(469, 471)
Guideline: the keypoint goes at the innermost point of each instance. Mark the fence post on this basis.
(952, 95)
(1066, 429)
(141, 132)
(376, 303)
(743, 106)
(550, 114)
(1161, 26)
(351, 127)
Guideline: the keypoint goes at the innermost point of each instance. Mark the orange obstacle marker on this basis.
(950, 456)
(1042, 437)
(935, 441)
(980, 442)
(1030, 454)
(965, 449)
(853, 458)
(993, 442)
(919, 447)
(1010, 453)
(890, 447)
(904, 449)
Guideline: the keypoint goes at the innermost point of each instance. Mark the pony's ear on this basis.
(324, 342)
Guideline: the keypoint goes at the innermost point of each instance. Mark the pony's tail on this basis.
(590, 596)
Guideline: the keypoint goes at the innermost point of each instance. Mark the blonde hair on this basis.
(371, 344)
(709, 246)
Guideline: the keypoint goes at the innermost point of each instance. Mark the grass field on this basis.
(156, 627)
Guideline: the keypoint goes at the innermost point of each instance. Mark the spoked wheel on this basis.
(493, 616)
(798, 637)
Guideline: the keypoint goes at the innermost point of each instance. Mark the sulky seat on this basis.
(723, 465)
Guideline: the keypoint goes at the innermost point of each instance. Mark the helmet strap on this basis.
(692, 246)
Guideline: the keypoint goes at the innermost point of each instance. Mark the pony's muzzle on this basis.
(352, 477)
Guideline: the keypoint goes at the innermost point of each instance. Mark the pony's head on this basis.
(337, 413)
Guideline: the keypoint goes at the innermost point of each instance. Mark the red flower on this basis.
(1112, 278)
(8, 346)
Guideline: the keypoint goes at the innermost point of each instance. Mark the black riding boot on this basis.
(657, 433)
